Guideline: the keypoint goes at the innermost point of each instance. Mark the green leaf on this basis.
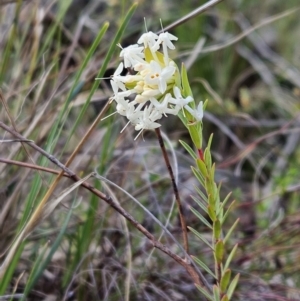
(188, 149)
(200, 204)
(225, 280)
(204, 292)
(198, 175)
(207, 158)
(217, 229)
(202, 195)
(219, 251)
(149, 57)
(201, 217)
(41, 265)
(202, 167)
(216, 292)
(201, 237)
(204, 266)
(231, 230)
(224, 202)
(209, 141)
(212, 171)
(195, 131)
(232, 286)
(227, 211)
(186, 89)
(230, 257)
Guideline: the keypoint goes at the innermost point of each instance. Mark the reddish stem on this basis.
(200, 154)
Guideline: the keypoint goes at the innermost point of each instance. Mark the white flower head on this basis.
(144, 97)
(132, 55)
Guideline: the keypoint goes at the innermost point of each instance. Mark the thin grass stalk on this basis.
(175, 189)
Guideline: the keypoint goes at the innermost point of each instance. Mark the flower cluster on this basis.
(153, 88)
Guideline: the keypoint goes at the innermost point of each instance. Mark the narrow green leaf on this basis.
(202, 167)
(201, 237)
(198, 175)
(231, 230)
(202, 195)
(195, 130)
(201, 217)
(209, 141)
(224, 202)
(227, 211)
(225, 280)
(37, 272)
(200, 204)
(188, 149)
(204, 292)
(35, 268)
(232, 286)
(207, 158)
(203, 265)
(230, 257)
(217, 196)
(216, 292)
(187, 91)
(219, 251)
(8, 274)
(217, 229)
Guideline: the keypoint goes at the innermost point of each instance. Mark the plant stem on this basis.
(176, 192)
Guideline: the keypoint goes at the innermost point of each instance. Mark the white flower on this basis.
(148, 39)
(132, 55)
(165, 39)
(122, 106)
(159, 76)
(197, 113)
(118, 79)
(163, 107)
(179, 100)
(147, 120)
(118, 94)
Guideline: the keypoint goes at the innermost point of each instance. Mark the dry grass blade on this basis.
(193, 14)
(39, 214)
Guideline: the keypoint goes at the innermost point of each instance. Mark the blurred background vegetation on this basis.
(84, 250)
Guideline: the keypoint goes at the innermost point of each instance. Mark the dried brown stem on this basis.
(176, 192)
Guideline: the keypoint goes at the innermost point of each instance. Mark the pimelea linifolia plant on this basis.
(153, 88)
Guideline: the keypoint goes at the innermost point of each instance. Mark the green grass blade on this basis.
(40, 265)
